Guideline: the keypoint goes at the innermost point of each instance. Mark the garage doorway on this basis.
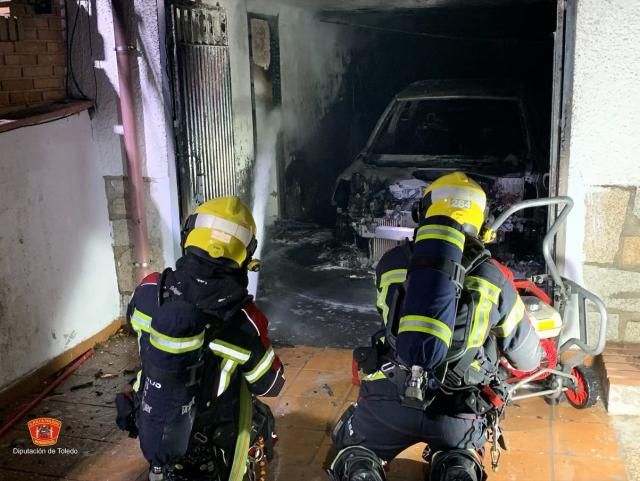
(497, 68)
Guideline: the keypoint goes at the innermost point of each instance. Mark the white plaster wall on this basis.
(57, 276)
(605, 144)
(606, 100)
(58, 282)
(151, 89)
(156, 126)
(103, 87)
(153, 101)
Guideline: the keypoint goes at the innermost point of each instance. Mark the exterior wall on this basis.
(604, 166)
(156, 128)
(57, 276)
(155, 122)
(99, 75)
(64, 199)
(32, 57)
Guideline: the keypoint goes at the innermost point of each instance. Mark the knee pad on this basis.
(357, 463)
(456, 465)
(340, 433)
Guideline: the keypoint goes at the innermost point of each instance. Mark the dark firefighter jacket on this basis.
(489, 305)
(201, 324)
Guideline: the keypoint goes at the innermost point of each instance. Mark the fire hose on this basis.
(243, 441)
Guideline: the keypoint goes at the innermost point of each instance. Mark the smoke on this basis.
(268, 128)
(315, 74)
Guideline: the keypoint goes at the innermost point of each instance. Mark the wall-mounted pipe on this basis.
(124, 52)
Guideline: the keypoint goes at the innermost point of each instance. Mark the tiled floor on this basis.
(546, 443)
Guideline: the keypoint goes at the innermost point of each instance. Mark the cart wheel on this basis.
(587, 391)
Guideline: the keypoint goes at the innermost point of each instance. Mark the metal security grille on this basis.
(199, 58)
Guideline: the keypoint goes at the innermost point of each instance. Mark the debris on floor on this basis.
(556, 443)
(324, 299)
(81, 386)
(90, 445)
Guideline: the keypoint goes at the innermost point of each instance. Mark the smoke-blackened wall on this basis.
(316, 114)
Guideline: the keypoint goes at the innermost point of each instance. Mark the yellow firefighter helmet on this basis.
(456, 196)
(223, 228)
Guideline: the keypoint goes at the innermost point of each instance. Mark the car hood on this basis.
(405, 168)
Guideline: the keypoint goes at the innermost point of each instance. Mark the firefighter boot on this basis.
(156, 474)
(357, 463)
(456, 465)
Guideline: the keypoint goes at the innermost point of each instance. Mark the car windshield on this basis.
(463, 127)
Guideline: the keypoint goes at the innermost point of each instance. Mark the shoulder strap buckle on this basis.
(453, 270)
(457, 277)
(453, 378)
(388, 367)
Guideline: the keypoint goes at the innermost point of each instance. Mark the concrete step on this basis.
(622, 378)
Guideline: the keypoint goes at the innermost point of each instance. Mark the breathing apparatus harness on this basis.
(197, 375)
(417, 388)
(202, 379)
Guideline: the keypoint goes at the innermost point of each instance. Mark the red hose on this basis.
(65, 374)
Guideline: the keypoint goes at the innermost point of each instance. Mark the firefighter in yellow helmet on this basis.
(200, 336)
(457, 197)
(223, 230)
(431, 374)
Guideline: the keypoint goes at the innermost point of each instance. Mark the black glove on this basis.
(126, 413)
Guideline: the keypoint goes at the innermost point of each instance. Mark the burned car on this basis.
(439, 126)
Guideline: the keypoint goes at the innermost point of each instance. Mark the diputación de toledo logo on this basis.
(44, 434)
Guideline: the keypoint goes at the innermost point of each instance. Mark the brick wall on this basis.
(612, 256)
(32, 57)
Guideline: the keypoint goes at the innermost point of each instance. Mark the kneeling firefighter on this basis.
(202, 343)
(432, 371)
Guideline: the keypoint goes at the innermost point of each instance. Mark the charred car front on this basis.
(439, 126)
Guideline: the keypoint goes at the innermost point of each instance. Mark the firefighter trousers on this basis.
(381, 423)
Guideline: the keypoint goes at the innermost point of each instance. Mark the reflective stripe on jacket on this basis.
(245, 346)
(171, 337)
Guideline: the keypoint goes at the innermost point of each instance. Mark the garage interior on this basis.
(327, 77)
